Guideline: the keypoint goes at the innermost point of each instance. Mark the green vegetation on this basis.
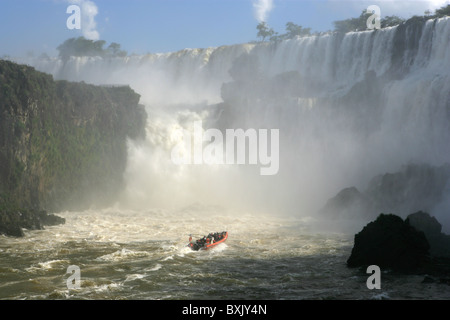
(62, 144)
(391, 21)
(264, 31)
(292, 31)
(360, 23)
(442, 12)
(352, 24)
(82, 47)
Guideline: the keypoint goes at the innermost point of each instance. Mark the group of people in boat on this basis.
(206, 240)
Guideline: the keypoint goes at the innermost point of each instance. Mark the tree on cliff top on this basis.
(352, 24)
(82, 47)
(114, 50)
(264, 31)
(78, 47)
(294, 30)
(359, 24)
(442, 12)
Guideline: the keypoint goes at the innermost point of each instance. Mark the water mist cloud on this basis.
(436, 4)
(88, 12)
(262, 9)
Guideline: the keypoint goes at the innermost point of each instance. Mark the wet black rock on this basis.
(13, 221)
(390, 243)
(9, 225)
(439, 242)
(50, 219)
(424, 222)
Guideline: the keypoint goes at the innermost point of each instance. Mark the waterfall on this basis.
(348, 107)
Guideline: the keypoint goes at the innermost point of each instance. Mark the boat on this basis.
(208, 242)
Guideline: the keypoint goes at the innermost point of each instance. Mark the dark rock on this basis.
(437, 270)
(422, 221)
(390, 243)
(63, 145)
(439, 242)
(413, 188)
(29, 219)
(348, 203)
(10, 224)
(429, 279)
(50, 219)
(13, 221)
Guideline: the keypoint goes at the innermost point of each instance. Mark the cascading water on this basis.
(348, 107)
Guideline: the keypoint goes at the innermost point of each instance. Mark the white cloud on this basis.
(262, 9)
(88, 12)
(436, 4)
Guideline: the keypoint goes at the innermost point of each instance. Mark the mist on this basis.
(346, 111)
(262, 9)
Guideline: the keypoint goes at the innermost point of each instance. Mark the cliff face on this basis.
(62, 144)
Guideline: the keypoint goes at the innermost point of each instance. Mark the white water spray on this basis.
(346, 110)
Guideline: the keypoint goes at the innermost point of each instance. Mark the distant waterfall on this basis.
(334, 60)
(348, 107)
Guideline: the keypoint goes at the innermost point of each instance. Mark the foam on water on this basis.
(122, 255)
(263, 258)
(47, 265)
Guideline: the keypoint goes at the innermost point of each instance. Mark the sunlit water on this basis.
(143, 255)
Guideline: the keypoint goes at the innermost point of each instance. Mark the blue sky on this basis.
(143, 26)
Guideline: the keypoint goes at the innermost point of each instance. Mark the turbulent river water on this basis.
(143, 255)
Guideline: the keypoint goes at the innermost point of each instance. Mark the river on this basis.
(137, 255)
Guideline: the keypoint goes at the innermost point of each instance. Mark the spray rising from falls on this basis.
(348, 107)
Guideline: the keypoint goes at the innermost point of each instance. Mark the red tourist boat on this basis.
(209, 241)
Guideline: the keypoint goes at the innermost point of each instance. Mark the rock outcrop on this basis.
(390, 243)
(348, 203)
(63, 145)
(12, 222)
(439, 242)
